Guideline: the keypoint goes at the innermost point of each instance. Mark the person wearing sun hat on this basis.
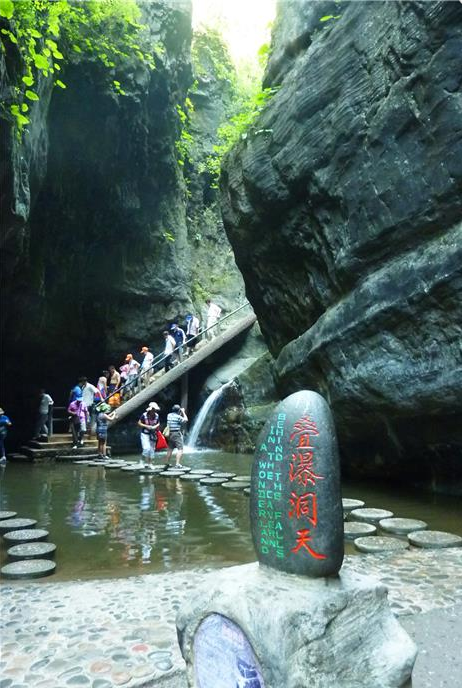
(149, 424)
(104, 414)
(146, 364)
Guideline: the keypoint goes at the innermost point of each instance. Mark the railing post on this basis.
(50, 420)
(184, 390)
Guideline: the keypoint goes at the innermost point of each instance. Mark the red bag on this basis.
(161, 442)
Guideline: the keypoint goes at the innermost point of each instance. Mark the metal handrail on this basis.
(162, 357)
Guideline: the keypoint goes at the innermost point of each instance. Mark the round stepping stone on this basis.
(247, 491)
(7, 514)
(131, 469)
(29, 535)
(191, 477)
(353, 530)
(379, 544)
(202, 471)
(350, 504)
(370, 515)
(111, 466)
(81, 463)
(151, 471)
(242, 478)
(171, 474)
(178, 470)
(212, 481)
(434, 539)
(236, 484)
(97, 463)
(16, 524)
(185, 469)
(227, 476)
(402, 526)
(32, 550)
(29, 568)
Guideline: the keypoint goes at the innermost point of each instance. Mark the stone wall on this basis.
(343, 208)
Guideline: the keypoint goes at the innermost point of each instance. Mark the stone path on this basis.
(121, 632)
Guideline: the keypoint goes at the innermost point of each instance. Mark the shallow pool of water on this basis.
(111, 523)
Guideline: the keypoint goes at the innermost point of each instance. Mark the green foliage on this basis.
(185, 143)
(237, 128)
(328, 17)
(168, 236)
(49, 32)
(210, 56)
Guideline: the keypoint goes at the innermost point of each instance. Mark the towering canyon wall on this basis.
(343, 207)
(99, 246)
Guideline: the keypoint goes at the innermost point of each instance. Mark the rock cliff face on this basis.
(99, 247)
(343, 208)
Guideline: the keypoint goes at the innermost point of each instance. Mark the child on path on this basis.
(103, 415)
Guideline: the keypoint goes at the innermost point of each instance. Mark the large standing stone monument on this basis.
(294, 619)
(295, 501)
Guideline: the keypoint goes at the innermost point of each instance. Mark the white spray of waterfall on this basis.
(206, 409)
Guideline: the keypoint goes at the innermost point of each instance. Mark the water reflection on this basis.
(109, 522)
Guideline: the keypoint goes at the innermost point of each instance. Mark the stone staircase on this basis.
(57, 448)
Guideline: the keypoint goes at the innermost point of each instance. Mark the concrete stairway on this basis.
(162, 380)
(57, 448)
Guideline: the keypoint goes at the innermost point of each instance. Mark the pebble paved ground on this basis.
(121, 632)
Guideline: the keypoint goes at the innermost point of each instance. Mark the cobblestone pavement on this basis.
(121, 632)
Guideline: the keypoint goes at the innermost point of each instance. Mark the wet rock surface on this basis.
(93, 629)
(343, 208)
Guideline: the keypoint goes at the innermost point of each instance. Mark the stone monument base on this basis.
(334, 632)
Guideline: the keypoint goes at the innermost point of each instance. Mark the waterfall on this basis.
(206, 408)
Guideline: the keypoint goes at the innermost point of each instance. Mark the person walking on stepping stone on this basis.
(176, 420)
(149, 424)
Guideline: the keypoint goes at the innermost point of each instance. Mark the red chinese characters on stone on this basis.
(301, 469)
(304, 505)
(302, 472)
(303, 538)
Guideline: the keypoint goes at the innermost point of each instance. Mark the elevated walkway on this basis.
(162, 380)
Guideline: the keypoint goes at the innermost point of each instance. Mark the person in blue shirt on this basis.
(180, 339)
(5, 423)
(76, 392)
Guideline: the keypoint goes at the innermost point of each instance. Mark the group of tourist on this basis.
(93, 406)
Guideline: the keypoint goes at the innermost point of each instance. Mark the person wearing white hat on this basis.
(149, 424)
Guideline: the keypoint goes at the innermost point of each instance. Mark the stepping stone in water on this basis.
(353, 530)
(32, 550)
(29, 568)
(242, 478)
(212, 481)
(191, 477)
(28, 535)
(130, 469)
(370, 515)
(402, 526)
(434, 539)
(236, 484)
(7, 514)
(16, 524)
(151, 471)
(227, 476)
(172, 474)
(203, 471)
(350, 504)
(247, 491)
(379, 544)
(112, 465)
(97, 463)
